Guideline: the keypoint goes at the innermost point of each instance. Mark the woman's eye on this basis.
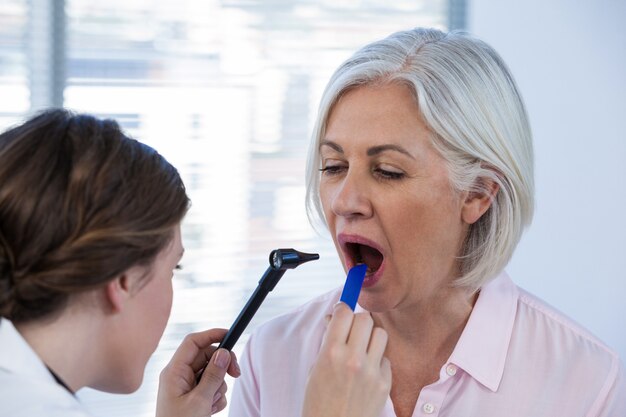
(178, 267)
(389, 174)
(332, 169)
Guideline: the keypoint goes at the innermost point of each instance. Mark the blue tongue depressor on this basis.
(352, 288)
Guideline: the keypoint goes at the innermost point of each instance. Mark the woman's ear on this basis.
(117, 292)
(478, 202)
(122, 288)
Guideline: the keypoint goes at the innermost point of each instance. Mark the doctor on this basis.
(89, 238)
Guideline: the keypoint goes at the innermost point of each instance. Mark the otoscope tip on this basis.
(290, 258)
(306, 257)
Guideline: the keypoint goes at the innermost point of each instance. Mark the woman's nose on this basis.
(351, 198)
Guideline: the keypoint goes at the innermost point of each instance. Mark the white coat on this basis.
(27, 388)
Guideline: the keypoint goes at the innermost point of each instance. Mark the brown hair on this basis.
(80, 203)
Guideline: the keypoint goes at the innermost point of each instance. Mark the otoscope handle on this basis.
(270, 278)
(266, 284)
(280, 260)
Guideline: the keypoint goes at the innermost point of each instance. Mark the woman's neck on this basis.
(421, 339)
(67, 345)
(431, 328)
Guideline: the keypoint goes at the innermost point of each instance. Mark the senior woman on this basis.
(421, 166)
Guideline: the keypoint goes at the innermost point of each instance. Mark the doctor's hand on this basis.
(179, 396)
(351, 376)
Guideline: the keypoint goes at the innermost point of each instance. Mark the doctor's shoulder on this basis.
(21, 396)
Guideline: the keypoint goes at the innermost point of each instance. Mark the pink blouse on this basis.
(517, 356)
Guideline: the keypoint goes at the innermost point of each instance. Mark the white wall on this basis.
(569, 59)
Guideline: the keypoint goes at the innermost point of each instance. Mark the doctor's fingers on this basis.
(221, 390)
(220, 393)
(204, 358)
(196, 351)
(219, 403)
(194, 345)
(212, 379)
(219, 399)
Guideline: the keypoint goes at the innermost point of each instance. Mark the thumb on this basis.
(213, 375)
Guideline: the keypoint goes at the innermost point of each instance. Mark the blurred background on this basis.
(227, 90)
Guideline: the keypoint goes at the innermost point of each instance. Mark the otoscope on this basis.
(280, 260)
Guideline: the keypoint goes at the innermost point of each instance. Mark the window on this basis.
(13, 66)
(227, 91)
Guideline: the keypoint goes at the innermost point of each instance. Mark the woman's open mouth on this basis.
(358, 250)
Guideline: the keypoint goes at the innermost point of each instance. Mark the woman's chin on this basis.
(374, 302)
(122, 384)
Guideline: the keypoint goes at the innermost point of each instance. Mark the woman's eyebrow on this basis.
(331, 144)
(375, 150)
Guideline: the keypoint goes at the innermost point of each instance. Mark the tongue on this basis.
(371, 257)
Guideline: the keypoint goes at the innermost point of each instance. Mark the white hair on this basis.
(469, 100)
